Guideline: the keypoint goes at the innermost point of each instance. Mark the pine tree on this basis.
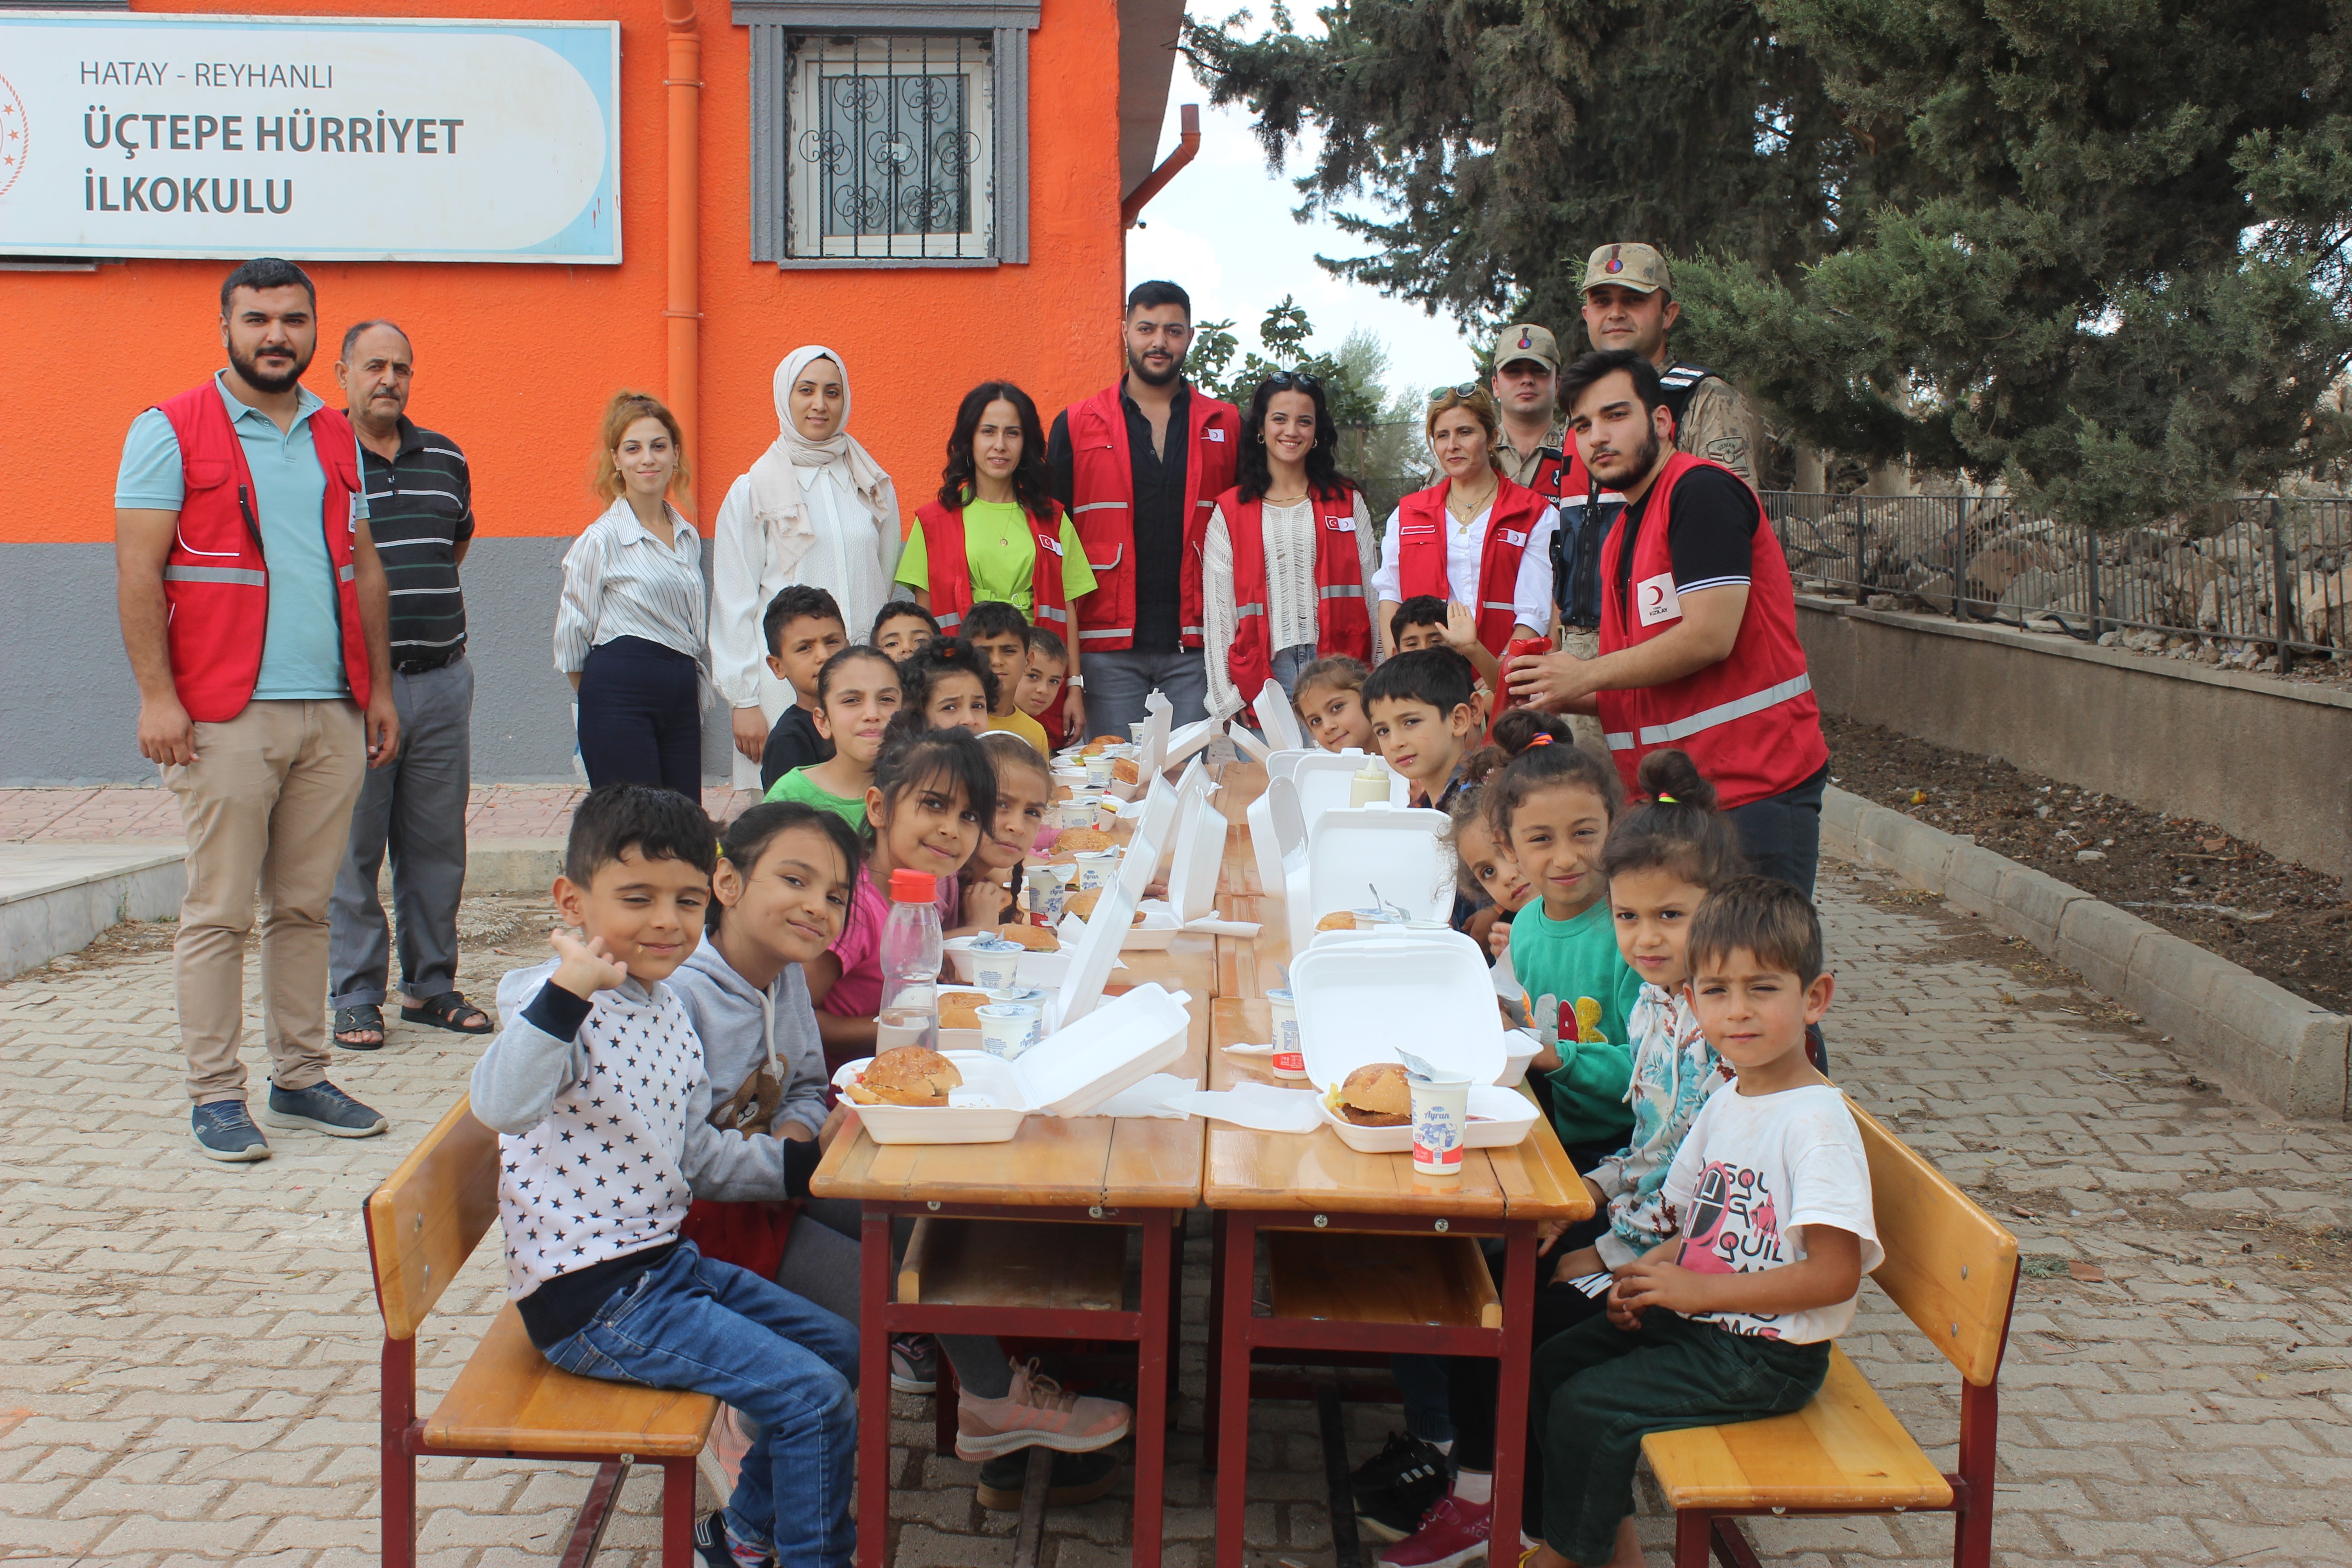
(2095, 249)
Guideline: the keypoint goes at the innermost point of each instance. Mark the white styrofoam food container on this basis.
(1351, 852)
(1068, 1073)
(1428, 992)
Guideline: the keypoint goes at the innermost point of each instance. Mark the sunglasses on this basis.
(1464, 389)
(1282, 380)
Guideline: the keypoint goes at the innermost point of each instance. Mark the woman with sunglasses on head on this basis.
(1287, 561)
(1478, 540)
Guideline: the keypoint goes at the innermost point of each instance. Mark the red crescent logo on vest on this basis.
(1653, 596)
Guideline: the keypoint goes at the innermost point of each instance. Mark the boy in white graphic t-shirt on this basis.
(1730, 1318)
(593, 1082)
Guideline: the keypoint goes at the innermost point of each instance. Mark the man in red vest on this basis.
(256, 618)
(1139, 465)
(1698, 623)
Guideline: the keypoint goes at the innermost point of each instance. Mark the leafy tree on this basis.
(2095, 249)
(1380, 441)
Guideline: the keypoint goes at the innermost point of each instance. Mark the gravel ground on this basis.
(2280, 920)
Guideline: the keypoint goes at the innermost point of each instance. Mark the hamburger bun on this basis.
(1102, 744)
(1083, 906)
(1375, 1095)
(1338, 919)
(1061, 792)
(1126, 771)
(1037, 939)
(1081, 841)
(908, 1075)
(958, 1009)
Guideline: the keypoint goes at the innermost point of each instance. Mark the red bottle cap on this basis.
(913, 888)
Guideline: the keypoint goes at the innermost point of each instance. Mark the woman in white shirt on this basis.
(815, 509)
(628, 630)
(1287, 561)
(1478, 540)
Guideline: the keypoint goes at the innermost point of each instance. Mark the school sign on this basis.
(152, 135)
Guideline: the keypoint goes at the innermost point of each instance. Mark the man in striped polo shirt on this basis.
(420, 504)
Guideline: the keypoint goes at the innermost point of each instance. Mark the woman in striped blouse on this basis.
(628, 632)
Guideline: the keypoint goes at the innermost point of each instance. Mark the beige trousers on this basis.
(1585, 727)
(266, 805)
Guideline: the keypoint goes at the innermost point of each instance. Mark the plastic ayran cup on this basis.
(992, 967)
(1289, 1054)
(1097, 867)
(1098, 769)
(1441, 1113)
(1009, 1028)
(1045, 894)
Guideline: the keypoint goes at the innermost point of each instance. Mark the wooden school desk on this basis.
(1365, 1255)
(1099, 1175)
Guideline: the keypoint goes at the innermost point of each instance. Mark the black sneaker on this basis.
(1077, 1478)
(223, 1131)
(322, 1108)
(712, 1544)
(1397, 1486)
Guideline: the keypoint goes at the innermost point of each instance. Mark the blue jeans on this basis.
(789, 1365)
(1781, 834)
(1119, 682)
(1287, 662)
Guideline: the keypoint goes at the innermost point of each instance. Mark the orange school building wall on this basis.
(516, 361)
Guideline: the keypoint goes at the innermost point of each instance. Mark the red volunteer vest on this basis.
(1561, 478)
(1102, 505)
(1421, 523)
(1343, 623)
(217, 580)
(1750, 722)
(950, 568)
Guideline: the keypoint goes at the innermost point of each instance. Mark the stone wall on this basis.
(2268, 760)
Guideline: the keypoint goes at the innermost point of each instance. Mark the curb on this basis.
(2290, 1054)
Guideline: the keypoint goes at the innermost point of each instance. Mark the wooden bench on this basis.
(423, 1224)
(1953, 1270)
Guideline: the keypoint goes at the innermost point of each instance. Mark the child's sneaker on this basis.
(1453, 1534)
(1396, 1487)
(717, 1549)
(1036, 1412)
(914, 1363)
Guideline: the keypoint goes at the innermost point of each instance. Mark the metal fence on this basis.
(2273, 573)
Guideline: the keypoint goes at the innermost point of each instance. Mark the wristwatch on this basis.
(1075, 683)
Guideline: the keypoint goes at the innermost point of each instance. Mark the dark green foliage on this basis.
(2093, 249)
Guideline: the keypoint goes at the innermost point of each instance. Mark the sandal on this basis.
(450, 1011)
(364, 1018)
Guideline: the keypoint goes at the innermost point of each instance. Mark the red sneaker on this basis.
(1452, 1535)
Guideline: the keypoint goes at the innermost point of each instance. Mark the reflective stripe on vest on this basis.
(1709, 718)
(236, 574)
(1099, 506)
(1243, 612)
(1341, 591)
(1046, 612)
(1106, 633)
(346, 573)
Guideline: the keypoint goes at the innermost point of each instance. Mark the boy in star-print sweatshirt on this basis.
(591, 1084)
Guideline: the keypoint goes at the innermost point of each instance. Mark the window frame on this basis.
(1002, 29)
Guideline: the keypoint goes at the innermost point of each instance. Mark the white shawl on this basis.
(778, 507)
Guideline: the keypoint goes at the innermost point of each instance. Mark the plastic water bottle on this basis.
(910, 958)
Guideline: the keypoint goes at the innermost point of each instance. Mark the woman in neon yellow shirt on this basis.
(993, 532)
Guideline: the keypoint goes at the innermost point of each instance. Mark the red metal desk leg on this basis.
(1512, 1383)
(1230, 1377)
(1152, 1355)
(1211, 1368)
(873, 1391)
(678, 1513)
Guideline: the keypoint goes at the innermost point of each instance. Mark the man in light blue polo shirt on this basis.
(265, 778)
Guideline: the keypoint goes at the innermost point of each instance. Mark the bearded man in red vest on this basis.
(1699, 624)
(256, 618)
(1138, 466)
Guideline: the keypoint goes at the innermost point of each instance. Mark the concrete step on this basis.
(55, 897)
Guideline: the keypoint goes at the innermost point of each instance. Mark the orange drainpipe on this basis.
(1187, 144)
(685, 311)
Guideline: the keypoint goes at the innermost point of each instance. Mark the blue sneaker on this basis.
(322, 1108)
(718, 1549)
(223, 1130)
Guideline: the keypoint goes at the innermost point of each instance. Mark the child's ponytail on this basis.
(1547, 763)
(1677, 828)
(1515, 732)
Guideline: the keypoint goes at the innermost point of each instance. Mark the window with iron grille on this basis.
(888, 132)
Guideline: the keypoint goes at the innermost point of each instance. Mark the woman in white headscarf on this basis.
(815, 509)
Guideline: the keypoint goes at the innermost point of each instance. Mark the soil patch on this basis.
(2284, 923)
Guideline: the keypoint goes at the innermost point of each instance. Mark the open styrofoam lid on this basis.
(1199, 857)
(1278, 721)
(1113, 1046)
(1356, 1000)
(1352, 853)
(1187, 741)
(1278, 765)
(1097, 951)
(1248, 743)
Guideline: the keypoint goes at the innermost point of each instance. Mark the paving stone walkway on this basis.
(188, 1350)
(108, 812)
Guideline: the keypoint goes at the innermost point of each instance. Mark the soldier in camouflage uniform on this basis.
(1629, 303)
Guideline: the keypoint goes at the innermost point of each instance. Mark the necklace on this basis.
(1455, 501)
(1285, 500)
